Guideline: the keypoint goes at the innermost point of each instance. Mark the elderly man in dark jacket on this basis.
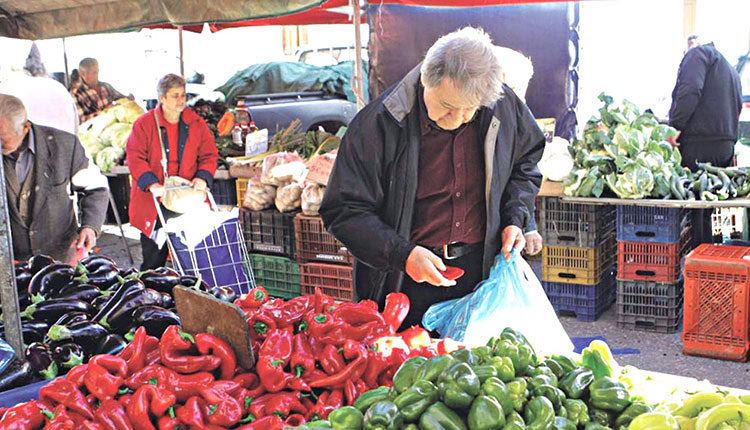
(440, 169)
(41, 165)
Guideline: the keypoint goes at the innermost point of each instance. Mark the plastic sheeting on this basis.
(400, 36)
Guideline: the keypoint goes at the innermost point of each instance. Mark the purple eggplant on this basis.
(128, 273)
(167, 301)
(88, 334)
(68, 355)
(155, 319)
(225, 294)
(23, 277)
(111, 344)
(159, 280)
(124, 289)
(7, 355)
(48, 281)
(92, 262)
(72, 317)
(32, 331)
(19, 373)
(51, 310)
(40, 357)
(85, 292)
(119, 320)
(104, 276)
(191, 282)
(39, 262)
(99, 302)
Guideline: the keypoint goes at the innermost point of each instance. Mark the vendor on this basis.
(191, 153)
(41, 164)
(93, 96)
(440, 169)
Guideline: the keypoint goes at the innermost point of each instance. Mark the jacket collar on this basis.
(187, 116)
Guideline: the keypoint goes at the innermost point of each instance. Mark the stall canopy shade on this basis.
(44, 19)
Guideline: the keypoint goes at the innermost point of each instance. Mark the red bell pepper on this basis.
(149, 399)
(294, 420)
(140, 352)
(327, 401)
(416, 337)
(326, 329)
(183, 386)
(224, 410)
(60, 420)
(168, 423)
(253, 299)
(297, 307)
(303, 359)
(322, 301)
(260, 322)
(277, 403)
(271, 422)
(210, 345)
(24, 416)
(331, 359)
(106, 373)
(273, 357)
(63, 392)
(396, 308)
(76, 375)
(192, 413)
(357, 354)
(175, 349)
(376, 364)
(111, 415)
(357, 313)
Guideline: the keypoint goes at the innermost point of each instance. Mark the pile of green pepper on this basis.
(499, 386)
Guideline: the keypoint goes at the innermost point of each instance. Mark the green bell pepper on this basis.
(561, 423)
(561, 411)
(632, 411)
(545, 371)
(369, 398)
(411, 426)
(514, 421)
(483, 354)
(538, 380)
(383, 415)
(496, 389)
(576, 382)
(555, 367)
(600, 416)
(347, 417)
(520, 339)
(697, 403)
(654, 421)
(609, 394)
(485, 414)
(414, 401)
(566, 363)
(553, 394)
(465, 355)
(440, 417)
(518, 393)
(596, 426)
(320, 424)
(458, 386)
(593, 359)
(434, 367)
(577, 411)
(506, 348)
(504, 366)
(484, 372)
(404, 376)
(539, 414)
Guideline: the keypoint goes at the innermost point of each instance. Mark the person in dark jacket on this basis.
(706, 105)
(439, 170)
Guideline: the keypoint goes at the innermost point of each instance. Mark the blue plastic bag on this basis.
(511, 297)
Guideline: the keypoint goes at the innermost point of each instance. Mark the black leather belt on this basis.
(454, 250)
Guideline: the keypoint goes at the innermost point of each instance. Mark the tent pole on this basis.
(65, 60)
(8, 292)
(182, 61)
(358, 56)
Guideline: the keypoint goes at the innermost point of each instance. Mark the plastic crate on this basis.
(650, 224)
(657, 262)
(314, 243)
(269, 231)
(241, 188)
(224, 192)
(577, 265)
(717, 298)
(728, 223)
(649, 306)
(334, 280)
(278, 275)
(586, 302)
(572, 224)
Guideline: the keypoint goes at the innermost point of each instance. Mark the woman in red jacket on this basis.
(191, 154)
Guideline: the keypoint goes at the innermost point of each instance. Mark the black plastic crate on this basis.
(573, 224)
(585, 302)
(119, 186)
(224, 191)
(650, 224)
(269, 231)
(649, 306)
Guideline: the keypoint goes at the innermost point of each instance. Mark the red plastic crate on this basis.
(717, 298)
(314, 243)
(333, 279)
(657, 262)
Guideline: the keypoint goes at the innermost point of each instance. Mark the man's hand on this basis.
(423, 266)
(673, 139)
(156, 189)
(512, 239)
(199, 184)
(86, 238)
(533, 243)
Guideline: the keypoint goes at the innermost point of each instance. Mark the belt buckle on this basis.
(446, 254)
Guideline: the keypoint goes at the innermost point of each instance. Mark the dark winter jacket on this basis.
(370, 198)
(706, 103)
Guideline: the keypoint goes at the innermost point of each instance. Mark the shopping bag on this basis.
(510, 297)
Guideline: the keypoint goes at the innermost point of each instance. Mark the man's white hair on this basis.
(13, 110)
(517, 70)
(467, 57)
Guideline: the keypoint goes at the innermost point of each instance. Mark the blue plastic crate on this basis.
(650, 224)
(586, 302)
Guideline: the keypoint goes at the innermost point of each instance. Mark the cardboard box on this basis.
(550, 189)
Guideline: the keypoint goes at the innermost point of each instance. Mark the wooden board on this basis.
(202, 313)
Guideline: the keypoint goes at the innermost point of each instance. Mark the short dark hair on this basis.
(691, 38)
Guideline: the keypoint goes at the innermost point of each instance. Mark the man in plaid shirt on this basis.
(91, 95)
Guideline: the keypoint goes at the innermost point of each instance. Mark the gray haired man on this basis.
(439, 170)
(41, 165)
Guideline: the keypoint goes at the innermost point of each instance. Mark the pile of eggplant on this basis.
(72, 313)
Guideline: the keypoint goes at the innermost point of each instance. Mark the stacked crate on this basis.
(651, 246)
(324, 262)
(578, 256)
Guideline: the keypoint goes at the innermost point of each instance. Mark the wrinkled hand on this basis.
(157, 190)
(199, 184)
(512, 239)
(673, 139)
(423, 266)
(533, 243)
(86, 238)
